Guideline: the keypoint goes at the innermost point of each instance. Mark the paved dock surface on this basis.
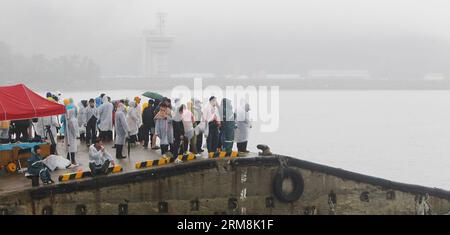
(11, 182)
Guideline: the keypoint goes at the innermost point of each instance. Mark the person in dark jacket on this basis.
(156, 108)
(178, 133)
(37, 167)
(91, 123)
(148, 123)
(82, 121)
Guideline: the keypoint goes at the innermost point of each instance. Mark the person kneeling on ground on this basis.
(99, 159)
(37, 167)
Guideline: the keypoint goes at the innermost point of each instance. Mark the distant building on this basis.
(156, 49)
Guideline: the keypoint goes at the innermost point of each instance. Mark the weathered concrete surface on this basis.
(225, 186)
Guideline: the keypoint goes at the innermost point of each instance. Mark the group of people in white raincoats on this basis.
(189, 124)
(218, 122)
(126, 125)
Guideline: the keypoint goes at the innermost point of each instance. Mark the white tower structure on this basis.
(156, 48)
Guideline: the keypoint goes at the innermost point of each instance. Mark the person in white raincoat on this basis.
(189, 134)
(133, 121)
(122, 130)
(139, 110)
(82, 119)
(71, 135)
(243, 126)
(164, 128)
(105, 124)
(139, 136)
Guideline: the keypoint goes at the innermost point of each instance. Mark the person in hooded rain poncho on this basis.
(243, 126)
(82, 121)
(37, 167)
(122, 130)
(71, 134)
(227, 125)
(62, 129)
(139, 109)
(189, 133)
(133, 121)
(105, 125)
(156, 108)
(164, 128)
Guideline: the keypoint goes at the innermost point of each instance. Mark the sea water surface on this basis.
(398, 135)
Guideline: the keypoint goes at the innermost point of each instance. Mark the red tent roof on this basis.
(18, 102)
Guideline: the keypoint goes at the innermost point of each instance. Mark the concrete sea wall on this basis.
(229, 186)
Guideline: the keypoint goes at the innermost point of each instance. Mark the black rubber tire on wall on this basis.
(297, 181)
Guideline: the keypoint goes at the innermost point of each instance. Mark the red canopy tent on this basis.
(19, 102)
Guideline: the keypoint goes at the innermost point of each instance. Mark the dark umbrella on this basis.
(153, 95)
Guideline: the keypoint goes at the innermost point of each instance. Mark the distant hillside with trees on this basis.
(40, 71)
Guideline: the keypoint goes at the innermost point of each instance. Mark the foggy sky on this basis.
(238, 36)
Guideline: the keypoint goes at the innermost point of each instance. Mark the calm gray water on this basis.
(397, 135)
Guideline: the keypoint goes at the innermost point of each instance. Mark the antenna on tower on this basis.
(161, 19)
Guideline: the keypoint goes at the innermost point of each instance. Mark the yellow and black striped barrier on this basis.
(164, 161)
(185, 157)
(151, 163)
(223, 154)
(83, 174)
